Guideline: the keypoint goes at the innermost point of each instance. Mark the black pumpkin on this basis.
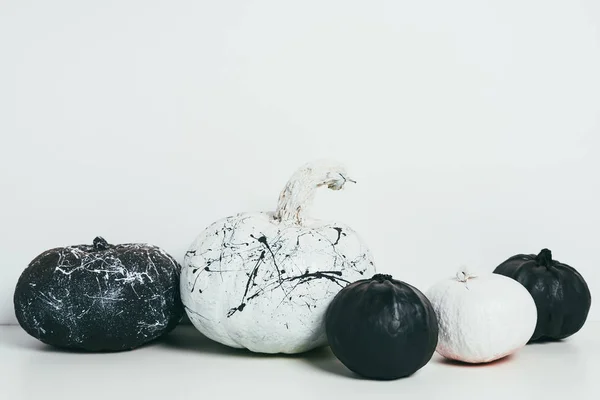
(561, 294)
(99, 298)
(381, 328)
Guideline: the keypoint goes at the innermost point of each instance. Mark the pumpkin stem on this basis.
(381, 278)
(298, 194)
(100, 243)
(544, 258)
(464, 274)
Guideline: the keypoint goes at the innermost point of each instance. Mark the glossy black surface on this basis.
(382, 328)
(99, 298)
(561, 294)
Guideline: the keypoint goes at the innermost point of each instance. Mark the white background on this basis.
(472, 127)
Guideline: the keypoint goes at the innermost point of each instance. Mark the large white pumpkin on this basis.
(263, 280)
(482, 317)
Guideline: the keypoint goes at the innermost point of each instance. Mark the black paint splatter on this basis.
(334, 276)
(263, 241)
(283, 274)
(339, 233)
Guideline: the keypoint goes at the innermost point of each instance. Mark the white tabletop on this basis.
(185, 365)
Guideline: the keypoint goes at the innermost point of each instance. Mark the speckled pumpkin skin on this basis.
(99, 298)
(250, 282)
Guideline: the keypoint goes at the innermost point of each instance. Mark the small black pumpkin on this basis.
(561, 295)
(381, 328)
(101, 297)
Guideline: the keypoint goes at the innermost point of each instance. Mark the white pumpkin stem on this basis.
(298, 194)
(464, 274)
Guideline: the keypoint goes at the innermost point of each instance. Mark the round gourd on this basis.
(382, 328)
(481, 318)
(263, 280)
(561, 294)
(101, 297)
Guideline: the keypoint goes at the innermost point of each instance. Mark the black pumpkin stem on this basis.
(382, 277)
(100, 243)
(544, 259)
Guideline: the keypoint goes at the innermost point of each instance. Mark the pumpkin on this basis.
(382, 328)
(99, 297)
(483, 317)
(561, 295)
(263, 280)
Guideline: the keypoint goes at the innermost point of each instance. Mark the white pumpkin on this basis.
(263, 280)
(482, 318)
